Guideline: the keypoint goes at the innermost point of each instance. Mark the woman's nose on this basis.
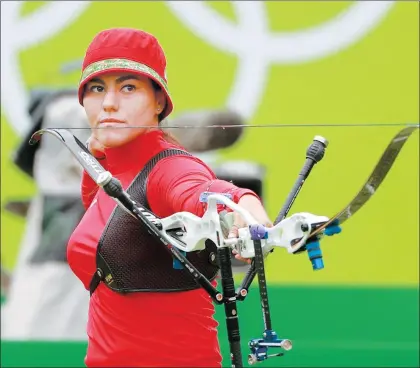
(110, 102)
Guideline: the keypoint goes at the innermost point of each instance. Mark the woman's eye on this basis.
(96, 89)
(129, 88)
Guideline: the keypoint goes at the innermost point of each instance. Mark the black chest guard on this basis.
(129, 259)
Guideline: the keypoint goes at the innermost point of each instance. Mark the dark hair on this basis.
(168, 136)
(158, 88)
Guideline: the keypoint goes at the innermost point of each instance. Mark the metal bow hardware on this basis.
(185, 232)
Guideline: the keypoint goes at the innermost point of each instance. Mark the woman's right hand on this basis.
(96, 148)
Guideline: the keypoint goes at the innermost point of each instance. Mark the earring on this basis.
(158, 110)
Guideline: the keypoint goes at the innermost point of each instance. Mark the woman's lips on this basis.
(111, 122)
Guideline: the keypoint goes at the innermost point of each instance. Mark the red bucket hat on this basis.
(126, 49)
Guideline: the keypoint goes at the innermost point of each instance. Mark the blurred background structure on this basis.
(348, 71)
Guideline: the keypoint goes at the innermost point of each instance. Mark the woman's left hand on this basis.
(254, 206)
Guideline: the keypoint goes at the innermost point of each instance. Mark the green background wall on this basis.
(367, 296)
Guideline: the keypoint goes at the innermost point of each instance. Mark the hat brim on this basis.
(117, 65)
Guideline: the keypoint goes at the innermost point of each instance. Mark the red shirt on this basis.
(147, 329)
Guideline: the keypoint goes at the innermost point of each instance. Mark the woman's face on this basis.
(116, 104)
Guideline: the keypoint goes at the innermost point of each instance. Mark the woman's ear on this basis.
(160, 101)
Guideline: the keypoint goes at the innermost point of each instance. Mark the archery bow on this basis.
(184, 232)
